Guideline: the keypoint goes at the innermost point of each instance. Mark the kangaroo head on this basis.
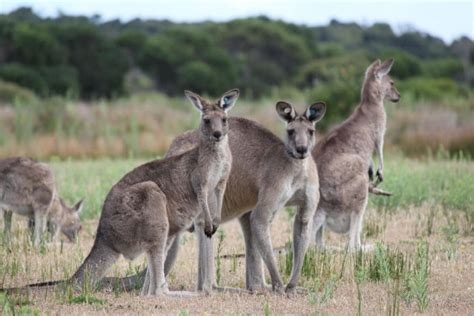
(300, 139)
(70, 223)
(214, 124)
(380, 82)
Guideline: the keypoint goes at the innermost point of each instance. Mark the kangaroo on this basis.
(27, 187)
(346, 154)
(266, 175)
(152, 204)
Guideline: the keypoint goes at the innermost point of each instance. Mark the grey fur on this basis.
(27, 187)
(153, 203)
(345, 155)
(266, 175)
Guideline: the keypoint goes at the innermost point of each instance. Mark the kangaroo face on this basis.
(300, 129)
(70, 222)
(214, 124)
(383, 82)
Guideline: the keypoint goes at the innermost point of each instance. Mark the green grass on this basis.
(91, 180)
(447, 184)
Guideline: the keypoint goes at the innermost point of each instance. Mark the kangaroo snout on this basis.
(217, 135)
(302, 150)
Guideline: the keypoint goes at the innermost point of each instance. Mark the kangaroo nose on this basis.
(217, 134)
(301, 150)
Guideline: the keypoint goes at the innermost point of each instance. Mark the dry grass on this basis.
(450, 283)
(144, 125)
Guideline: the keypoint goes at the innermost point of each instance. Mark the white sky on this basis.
(445, 19)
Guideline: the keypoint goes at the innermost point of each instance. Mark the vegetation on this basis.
(89, 58)
(422, 236)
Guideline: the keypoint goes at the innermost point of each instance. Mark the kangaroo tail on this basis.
(93, 269)
(29, 286)
(126, 283)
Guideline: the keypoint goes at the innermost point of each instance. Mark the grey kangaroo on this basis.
(152, 204)
(266, 175)
(27, 187)
(345, 155)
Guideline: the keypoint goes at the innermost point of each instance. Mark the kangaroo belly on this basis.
(339, 223)
(23, 210)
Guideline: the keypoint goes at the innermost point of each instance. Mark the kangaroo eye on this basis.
(224, 120)
(311, 132)
(391, 83)
(290, 132)
(207, 121)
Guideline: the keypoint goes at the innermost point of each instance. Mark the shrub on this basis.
(435, 89)
(62, 80)
(24, 76)
(341, 99)
(12, 93)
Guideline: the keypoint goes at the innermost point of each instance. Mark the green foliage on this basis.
(61, 80)
(434, 89)
(34, 46)
(24, 76)
(100, 64)
(87, 58)
(407, 65)
(12, 93)
(341, 99)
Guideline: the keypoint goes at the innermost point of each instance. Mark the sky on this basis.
(442, 18)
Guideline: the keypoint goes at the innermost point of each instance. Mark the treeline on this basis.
(84, 57)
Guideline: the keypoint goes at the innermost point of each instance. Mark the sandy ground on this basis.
(451, 282)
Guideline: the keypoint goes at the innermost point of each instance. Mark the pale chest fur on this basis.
(217, 164)
(304, 183)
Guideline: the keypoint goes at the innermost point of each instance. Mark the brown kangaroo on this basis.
(155, 202)
(27, 188)
(345, 155)
(152, 204)
(266, 175)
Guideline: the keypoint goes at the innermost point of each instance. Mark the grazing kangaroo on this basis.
(266, 175)
(345, 155)
(153, 203)
(27, 188)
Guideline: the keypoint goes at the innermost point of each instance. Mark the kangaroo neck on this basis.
(371, 95)
(371, 105)
(207, 145)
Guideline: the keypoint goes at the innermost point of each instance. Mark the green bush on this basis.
(12, 93)
(432, 89)
(36, 47)
(341, 99)
(444, 67)
(24, 76)
(61, 80)
(198, 76)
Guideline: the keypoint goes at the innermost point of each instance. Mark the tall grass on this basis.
(144, 124)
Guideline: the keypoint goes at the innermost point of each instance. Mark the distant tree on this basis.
(100, 64)
(24, 76)
(32, 45)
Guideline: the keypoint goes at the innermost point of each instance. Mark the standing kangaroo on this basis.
(27, 188)
(345, 155)
(266, 175)
(153, 203)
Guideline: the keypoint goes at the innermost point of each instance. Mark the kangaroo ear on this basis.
(285, 111)
(195, 99)
(384, 69)
(315, 112)
(228, 99)
(78, 207)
